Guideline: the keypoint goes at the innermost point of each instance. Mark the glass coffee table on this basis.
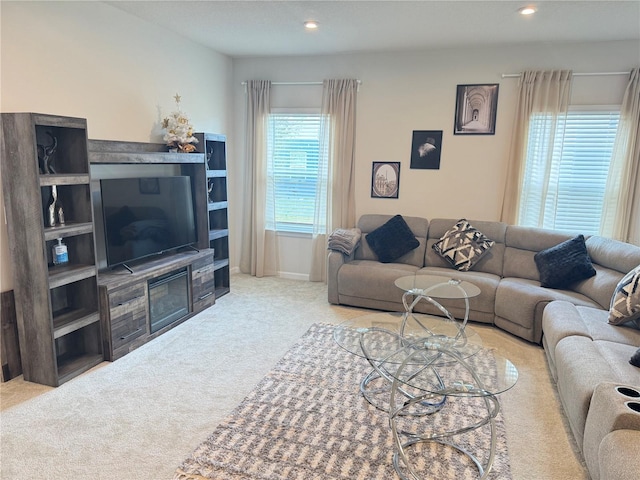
(430, 374)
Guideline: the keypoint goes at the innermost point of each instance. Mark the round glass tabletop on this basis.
(427, 353)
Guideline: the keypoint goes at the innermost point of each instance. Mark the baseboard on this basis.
(287, 275)
(294, 276)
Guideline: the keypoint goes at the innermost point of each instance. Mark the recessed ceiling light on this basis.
(310, 24)
(527, 10)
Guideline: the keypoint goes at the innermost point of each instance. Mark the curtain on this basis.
(259, 252)
(621, 209)
(545, 93)
(335, 191)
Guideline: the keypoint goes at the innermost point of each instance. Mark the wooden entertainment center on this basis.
(74, 315)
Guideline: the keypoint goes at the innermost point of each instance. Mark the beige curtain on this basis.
(259, 250)
(621, 209)
(543, 92)
(335, 193)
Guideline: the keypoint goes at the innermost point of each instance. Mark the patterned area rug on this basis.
(307, 420)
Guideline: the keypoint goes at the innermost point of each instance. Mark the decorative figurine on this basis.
(209, 156)
(54, 208)
(210, 190)
(45, 156)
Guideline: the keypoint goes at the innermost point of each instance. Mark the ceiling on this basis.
(274, 28)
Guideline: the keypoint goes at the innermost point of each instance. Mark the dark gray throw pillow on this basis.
(635, 359)
(392, 240)
(564, 264)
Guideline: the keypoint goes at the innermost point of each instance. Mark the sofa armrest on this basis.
(614, 409)
(618, 455)
(335, 260)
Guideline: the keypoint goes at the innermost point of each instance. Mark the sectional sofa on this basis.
(588, 357)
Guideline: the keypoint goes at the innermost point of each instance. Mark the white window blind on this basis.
(293, 153)
(573, 193)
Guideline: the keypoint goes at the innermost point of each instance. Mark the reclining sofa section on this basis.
(511, 297)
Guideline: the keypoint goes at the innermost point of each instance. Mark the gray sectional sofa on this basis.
(588, 357)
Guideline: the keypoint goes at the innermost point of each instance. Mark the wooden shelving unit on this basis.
(56, 306)
(214, 148)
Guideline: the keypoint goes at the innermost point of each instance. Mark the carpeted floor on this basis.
(141, 416)
(307, 419)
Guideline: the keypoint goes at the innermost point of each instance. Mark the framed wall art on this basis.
(426, 146)
(385, 180)
(476, 108)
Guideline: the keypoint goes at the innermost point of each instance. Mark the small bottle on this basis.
(60, 254)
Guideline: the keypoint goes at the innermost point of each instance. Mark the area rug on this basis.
(307, 420)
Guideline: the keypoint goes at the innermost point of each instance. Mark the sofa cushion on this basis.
(392, 240)
(564, 264)
(562, 319)
(463, 245)
(481, 307)
(582, 364)
(522, 302)
(372, 280)
(625, 303)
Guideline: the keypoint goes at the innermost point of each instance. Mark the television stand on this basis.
(130, 300)
(127, 267)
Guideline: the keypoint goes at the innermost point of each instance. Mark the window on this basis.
(573, 183)
(293, 169)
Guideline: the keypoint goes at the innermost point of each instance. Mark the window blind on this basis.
(577, 174)
(293, 153)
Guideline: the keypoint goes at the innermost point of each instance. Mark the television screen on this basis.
(146, 216)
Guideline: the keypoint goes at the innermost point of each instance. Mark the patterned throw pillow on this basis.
(625, 303)
(463, 245)
(564, 264)
(392, 240)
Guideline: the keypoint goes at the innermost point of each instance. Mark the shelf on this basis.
(65, 274)
(64, 179)
(218, 205)
(70, 367)
(220, 263)
(216, 173)
(215, 234)
(144, 157)
(73, 320)
(220, 291)
(67, 230)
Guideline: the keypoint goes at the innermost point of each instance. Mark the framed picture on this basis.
(385, 180)
(476, 108)
(426, 146)
(149, 186)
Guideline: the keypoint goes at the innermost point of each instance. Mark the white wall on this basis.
(90, 60)
(402, 92)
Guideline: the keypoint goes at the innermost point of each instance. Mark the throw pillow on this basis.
(625, 303)
(463, 245)
(635, 359)
(392, 240)
(564, 264)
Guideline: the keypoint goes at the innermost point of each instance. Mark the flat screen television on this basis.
(146, 216)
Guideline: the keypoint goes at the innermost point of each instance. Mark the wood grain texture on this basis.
(9, 342)
(54, 346)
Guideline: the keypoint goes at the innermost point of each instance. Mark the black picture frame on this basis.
(426, 147)
(385, 180)
(476, 109)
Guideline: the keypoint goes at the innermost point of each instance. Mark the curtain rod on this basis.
(590, 74)
(298, 83)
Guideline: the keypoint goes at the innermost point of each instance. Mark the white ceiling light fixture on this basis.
(311, 25)
(529, 10)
